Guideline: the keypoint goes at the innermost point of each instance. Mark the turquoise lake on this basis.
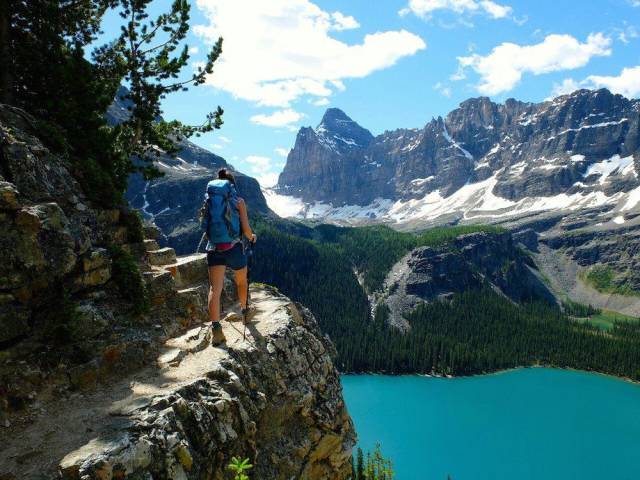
(527, 424)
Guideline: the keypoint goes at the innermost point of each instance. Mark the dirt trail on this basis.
(33, 451)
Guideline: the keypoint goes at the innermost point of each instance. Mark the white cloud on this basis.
(628, 33)
(277, 51)
(343, 22)
(502, 69)
(193, 50)
(567, 86)
(217, 146)
(261, 167)
(258, 163)
(283, 152)
(442, 89)
(279, 118)
(496, 10)
(224, 139)
(627, 83)
(425, 8)
(321, 102)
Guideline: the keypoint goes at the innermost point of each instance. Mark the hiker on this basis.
(226, 224)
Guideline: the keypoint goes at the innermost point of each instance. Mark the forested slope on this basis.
(472, 331)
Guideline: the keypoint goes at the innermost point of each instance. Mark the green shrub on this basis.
(127, 276)
(132, 220)
(603, 278)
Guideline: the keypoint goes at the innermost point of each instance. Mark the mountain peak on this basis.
(337, 124)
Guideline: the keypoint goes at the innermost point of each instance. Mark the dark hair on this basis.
(224, 174)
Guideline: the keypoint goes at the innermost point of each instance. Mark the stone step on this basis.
(189, 270)
(162, 256)
(151, 244)
(160, 286)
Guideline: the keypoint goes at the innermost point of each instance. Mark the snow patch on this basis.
(608, 167)
(454, 143)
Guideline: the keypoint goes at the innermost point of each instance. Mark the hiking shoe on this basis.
(217, 335)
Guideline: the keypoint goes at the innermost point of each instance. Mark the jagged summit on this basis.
(336, 126)
(483, 159)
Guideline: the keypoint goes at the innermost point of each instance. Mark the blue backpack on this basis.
(220, 219)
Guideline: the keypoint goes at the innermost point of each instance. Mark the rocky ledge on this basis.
(106, 368)
(274, 397)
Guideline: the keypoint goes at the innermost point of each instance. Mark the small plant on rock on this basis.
(239, 467)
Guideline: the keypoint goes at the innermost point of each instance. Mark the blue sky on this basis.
(390, 63)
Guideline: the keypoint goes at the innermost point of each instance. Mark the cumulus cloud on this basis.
(279, 118)
(343, 22)
(277, 51)
(261, 167)
(567, 86)
(627, 83)
(425, 8)
(503, 68)
(321, 102)
(496, 10)
(283, 152)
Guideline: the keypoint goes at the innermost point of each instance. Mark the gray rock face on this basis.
(471, 261)
(277, 402)
(532, 150)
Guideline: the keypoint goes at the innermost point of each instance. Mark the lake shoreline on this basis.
(496, 372)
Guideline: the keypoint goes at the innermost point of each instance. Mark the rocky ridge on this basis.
(482, 161)
(93, 387)
(471, 261)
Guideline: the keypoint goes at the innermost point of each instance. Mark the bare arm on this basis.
(244, 221)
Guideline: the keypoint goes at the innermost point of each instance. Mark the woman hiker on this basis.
(225, 222)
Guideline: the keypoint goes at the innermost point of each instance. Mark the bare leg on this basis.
(216, 282)
(242, 286)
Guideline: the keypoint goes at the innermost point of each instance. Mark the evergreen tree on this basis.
(360, 465)
(149, 56)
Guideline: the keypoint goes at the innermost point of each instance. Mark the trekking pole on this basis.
(251, 246)
(201, 242)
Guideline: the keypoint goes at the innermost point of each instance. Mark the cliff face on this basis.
(482, 160)
(471, 261)
(93, 387)
(558, 141)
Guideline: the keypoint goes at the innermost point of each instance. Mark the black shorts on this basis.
(234, 258)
